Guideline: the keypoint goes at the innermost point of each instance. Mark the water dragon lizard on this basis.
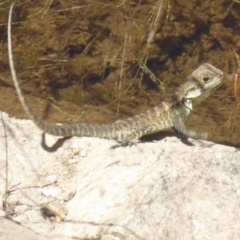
(171, 113)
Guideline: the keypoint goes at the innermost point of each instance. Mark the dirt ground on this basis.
(99, 61)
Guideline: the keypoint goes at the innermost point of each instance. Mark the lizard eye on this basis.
(205, 79)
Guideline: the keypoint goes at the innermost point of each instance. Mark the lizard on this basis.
(171, 113)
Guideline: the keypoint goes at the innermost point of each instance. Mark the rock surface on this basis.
(82, 189)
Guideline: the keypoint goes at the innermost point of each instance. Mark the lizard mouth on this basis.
(199, 94)
(211, 84)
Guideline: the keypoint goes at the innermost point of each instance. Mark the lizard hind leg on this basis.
(128, 139)
(124, 140)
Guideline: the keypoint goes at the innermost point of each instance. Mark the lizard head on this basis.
(200, 84)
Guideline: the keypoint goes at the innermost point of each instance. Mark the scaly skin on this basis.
(170, 113)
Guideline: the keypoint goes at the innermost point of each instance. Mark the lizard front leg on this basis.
(182, 128)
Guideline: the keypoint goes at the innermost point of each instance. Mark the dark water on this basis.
(105, 60)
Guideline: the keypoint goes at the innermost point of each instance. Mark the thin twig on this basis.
(6, 152)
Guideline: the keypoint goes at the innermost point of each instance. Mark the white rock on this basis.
(154, 190)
